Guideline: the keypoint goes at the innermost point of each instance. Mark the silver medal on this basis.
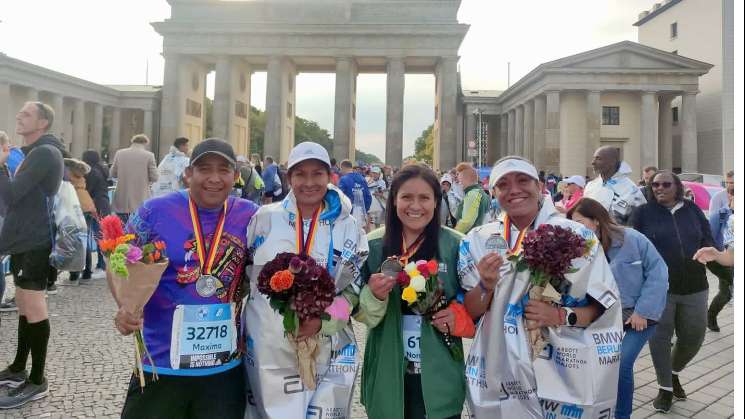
(391, 267)
(496, 243)
(206, 286)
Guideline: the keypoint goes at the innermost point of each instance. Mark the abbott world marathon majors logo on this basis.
(476, 371)
(608, 345)
(556, 410)
(344, 360)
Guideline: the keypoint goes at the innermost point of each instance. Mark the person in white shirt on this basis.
(171, 169)
(613, 188)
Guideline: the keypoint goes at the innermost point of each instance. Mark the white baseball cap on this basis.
(447, 178)
(375, 169)
(576, 179)
(306, 151)
(510, 165)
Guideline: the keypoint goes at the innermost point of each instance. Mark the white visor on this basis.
(509, 166)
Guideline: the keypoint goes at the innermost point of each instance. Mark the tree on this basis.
(424, 145)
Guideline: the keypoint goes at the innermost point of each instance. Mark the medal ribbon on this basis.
(508, 236)
(206, 259)
(303, 245)
(409, 251)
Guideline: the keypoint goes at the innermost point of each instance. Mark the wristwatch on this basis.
(571, 317)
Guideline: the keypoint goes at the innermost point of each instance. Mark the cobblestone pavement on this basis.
(88, 366)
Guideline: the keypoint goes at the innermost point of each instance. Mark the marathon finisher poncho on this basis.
(274, 386)
(190, 327)
(576, 375)
(619, 195)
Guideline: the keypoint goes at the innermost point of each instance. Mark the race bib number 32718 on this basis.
(202, 336)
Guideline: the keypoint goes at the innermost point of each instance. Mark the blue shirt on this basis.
(15, 158)
(267, 175)
(347, 184)
(641, 274)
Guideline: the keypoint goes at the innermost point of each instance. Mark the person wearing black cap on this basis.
(204, 229)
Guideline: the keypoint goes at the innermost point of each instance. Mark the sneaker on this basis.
(10, 305)
(52, 289)
(25, 393)
(712, 324)
(664, 401)
(12, 379)
(678, 391)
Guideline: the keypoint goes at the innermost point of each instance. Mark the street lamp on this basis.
(477, 113)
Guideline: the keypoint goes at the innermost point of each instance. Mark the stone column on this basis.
(471, 121)
(221, 106)
(279, 134)
(528, 130)
(394, 111)
(445, 154)
(511, 132)
(665, 125)
(553, 132)
(648, 134)
(594, 120)
(539, 131)
(58, 104)
(172, 104)
(147, 124)
(6, 113)
(519, 132)
(345, 108)
(503, 148)
(97, 133)
(689, 137)
(492, 138)
(116, 132)
(79, 139)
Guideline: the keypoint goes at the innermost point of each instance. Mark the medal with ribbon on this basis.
(518, 246)
(207, 283)
(304, 245)
(409, 251)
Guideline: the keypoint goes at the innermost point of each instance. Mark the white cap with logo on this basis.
(510, 165)
(306, 151)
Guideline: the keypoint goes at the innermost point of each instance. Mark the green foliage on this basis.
(368, 158)
(424, 145)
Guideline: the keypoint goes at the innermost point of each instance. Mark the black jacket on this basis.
(27, 224)
(97, 185)
(677, 237)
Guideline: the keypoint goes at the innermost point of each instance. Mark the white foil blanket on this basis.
(275, 388)
(576, 375)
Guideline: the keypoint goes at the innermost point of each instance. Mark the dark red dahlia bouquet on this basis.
(547, 253)
(299, 289)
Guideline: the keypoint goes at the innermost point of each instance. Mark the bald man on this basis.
(613, 188)
(473, 209)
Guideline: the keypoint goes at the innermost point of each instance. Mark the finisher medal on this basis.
(206, 284)
(391, 267)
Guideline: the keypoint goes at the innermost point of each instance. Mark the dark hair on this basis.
(91, 157)
(180, 141)
(393, 225)
(679, 188)
(269, 159)
(333, 161)
(346, 163)
(608, 230)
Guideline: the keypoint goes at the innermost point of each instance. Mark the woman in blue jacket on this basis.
(641, 274)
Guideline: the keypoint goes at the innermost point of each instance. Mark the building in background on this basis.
(702, 30)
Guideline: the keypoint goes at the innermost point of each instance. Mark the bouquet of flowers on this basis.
(547, 253)
(422, 290)
(299, 289)
(133, 272)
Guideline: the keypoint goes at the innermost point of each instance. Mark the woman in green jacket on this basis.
(408, 370)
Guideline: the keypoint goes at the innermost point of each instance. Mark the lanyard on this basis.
(409, 251)
(518, 247)
(305, 245)
(206, 259)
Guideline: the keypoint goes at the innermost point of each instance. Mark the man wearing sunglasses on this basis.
(613, 188)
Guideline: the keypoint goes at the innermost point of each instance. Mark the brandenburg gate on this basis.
(287, 37)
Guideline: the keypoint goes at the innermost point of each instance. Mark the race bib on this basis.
(202, 336)
(412, 331)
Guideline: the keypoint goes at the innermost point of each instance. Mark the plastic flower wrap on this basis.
(547, 253)
(299, 290)
(133, 272)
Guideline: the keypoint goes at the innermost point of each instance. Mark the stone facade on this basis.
(554, 115)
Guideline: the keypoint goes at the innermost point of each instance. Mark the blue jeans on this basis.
(632, 344)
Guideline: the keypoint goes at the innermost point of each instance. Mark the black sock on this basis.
(24, 346)
(39, 337)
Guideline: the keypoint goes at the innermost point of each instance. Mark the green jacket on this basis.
(443, 378)
(472, 211)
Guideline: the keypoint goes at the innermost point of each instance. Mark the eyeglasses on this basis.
(665, 185)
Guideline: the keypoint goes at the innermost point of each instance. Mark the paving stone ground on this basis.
(88, 365)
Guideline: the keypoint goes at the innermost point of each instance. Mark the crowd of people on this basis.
(642, 280)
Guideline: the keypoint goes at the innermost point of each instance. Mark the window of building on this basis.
(674, 30)
(611, 115)
(675, 115)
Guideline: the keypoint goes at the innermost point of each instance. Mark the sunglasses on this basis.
(665, 185)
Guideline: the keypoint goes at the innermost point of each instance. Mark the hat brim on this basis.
(229, 159)
(302, 159)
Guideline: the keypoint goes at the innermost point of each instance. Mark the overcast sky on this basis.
(110, 42)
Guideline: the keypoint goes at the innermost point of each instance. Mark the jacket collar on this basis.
(46, 139)
(336, 204)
